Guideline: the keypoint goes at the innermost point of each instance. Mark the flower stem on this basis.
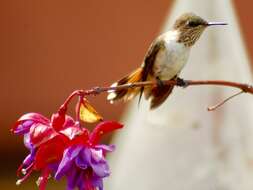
(64, 106)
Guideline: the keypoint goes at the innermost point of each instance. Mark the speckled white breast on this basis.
(171, 60)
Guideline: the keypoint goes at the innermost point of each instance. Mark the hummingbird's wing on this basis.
(149, 61)
(150, 57)
(159, 93)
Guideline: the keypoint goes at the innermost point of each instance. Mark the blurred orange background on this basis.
(50, 48)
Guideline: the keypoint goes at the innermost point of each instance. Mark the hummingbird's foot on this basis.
(160, 83)
(181, 82)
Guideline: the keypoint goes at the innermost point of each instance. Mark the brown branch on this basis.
(246, 88)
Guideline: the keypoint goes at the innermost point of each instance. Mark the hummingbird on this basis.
(164, 60)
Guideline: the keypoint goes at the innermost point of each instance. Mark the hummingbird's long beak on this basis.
(216, 23)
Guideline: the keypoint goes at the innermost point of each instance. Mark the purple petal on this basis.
(27, 141)
(106, 148)
(97, 182)
(99, 163)
(80, 182)
(81, 162)
(23, 127)
(74, 151)
(97, 155)
(72, 179)
(64, 166)
(29, 159)
(67, 161)
(101, 169)
(53, 167)
(96, 160)
(86, 155)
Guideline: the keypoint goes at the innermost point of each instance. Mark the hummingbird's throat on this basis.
(189, 37)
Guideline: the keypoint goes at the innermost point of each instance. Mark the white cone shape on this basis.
(182, 146)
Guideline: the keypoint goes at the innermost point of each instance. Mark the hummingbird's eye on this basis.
(193, 24)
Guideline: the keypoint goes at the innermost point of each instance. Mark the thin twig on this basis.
(212, 108)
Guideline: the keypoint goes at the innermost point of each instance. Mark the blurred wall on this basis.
(49, 48)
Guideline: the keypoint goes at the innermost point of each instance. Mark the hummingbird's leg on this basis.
(181, 82)
(160, 83)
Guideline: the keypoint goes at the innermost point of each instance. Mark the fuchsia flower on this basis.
(84, 167)
(60, 146)
(46, 145)
(84, 163)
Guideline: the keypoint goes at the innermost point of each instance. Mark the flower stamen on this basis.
(25, 177)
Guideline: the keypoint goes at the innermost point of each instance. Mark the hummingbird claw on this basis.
(181, 82)
(160, 83)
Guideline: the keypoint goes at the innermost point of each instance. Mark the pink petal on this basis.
(72, 132)
(41, 133)
(34, 117)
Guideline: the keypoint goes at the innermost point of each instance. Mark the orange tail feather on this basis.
(126, 94)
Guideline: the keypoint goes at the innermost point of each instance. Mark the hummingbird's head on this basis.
(190, 27)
